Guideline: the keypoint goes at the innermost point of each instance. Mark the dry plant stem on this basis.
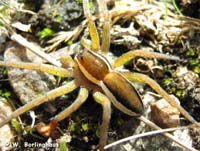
(171, 137)
(106, 105)
(82, 97)
(49, 96)
(137, 77)
(155, 132)
(22, 41)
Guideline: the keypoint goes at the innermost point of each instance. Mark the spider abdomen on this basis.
(124, 92)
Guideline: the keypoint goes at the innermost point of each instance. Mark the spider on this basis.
(93, 73)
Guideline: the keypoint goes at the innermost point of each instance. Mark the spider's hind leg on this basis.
(105, 103)
(138, 77)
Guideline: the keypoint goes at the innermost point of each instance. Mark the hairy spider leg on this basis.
(138, 77)
(95, 45)
(81, 98)
(46, 130)
(58, 71)
(49, 96)
(106, 27)
(91, 27)
(105, 103)
(140, 117)
(141, 53)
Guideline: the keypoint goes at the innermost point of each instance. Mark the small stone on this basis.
(164, 115)
(6, 132)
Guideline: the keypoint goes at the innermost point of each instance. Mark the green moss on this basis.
(45, 33)
(179, 93)
(5, 93)
(69, 43)
(167, 81)
(15, 124)
(40, 94)
(3, 9)
(120, 122)
(91, 5)
(190, 53)
(80, 1)
(85, 126)
(63, 146)
(196, 69)
(59, 20)
(194, 61)
(73, 127)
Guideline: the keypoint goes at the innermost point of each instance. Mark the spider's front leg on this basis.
(91, 27)
(49, 96)
(106, 27)
(58, 71)
(46, 130)
(95, 45)
(81, 98)
(141, 53)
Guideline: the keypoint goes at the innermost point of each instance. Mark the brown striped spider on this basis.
(92, 72)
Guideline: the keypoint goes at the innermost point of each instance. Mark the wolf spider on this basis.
(92, 72)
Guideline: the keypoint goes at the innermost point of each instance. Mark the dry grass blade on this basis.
(151, 133)
(63, 36)
(24, 42)
(168, 135)
(158, 131)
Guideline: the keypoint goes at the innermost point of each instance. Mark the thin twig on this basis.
(168, 135)
(157, 131)
(22, 41)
